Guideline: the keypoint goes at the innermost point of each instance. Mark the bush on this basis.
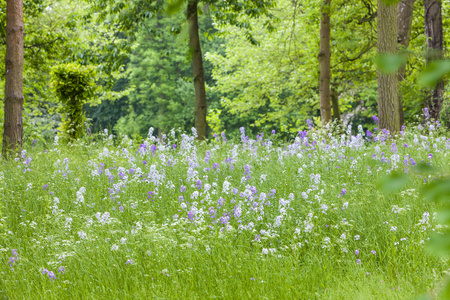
(74, 85)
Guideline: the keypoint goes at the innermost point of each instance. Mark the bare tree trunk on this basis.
(198, 71)
(405, 9)
(13, 126)
(324, 64)
(335, 104)
(388, 108)
(435, 37)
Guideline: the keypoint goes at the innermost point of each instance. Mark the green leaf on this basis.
(437, 191)
(174, 6)
(443, 216)
(393, 183)
(439, 244)
(424, 168)
(390, 63)
(390, 2)
(434, 72)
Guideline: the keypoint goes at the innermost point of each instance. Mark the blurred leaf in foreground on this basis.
(390, 63)
(393, 183)
(434, 72)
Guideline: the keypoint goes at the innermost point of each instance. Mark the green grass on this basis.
(312, 226)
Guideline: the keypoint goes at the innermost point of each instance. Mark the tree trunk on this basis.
(435, 37)
(198, 71)
(13, 126)
(324, 64)
(405, 9)
(335, 105)
(388, 108)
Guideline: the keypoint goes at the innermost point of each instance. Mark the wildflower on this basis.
(199, 184)
(358, 261)
(114, 247)
(62, 270)
(273, 131)
(374, 252)
(357, 237)
(45, 187)
(356, 252)
(393, 228)
(50, 274)
(82, 234)
(129, 262)
(12, 259)
(375, 119)
(343, 191)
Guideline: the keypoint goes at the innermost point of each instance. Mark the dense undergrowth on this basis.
(112, 218)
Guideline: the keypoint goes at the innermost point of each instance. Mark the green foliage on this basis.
(394, 183)
(434, 72)
(213, 120)
(390, 63)
(74, 85)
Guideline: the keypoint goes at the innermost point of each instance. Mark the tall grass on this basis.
(113, 218)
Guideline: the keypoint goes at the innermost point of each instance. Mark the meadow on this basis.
(108, 217)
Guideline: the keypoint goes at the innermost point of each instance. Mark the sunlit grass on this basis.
(257, 219)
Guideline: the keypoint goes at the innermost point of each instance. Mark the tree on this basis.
(435, 37)
(13, 125)
(388, 108)
(198, 71)
(130, 15)
(324, 64)
(405, 10)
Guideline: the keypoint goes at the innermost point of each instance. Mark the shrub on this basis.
(74, 85)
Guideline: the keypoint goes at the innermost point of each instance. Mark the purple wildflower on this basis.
(45, 187)
(375, 119)
(12, 259)
(343, 191)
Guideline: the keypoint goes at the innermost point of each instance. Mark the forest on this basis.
(259, 63)
(233, 149)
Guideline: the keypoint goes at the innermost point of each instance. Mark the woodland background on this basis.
(262, 73)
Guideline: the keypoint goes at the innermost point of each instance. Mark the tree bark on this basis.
(388, 107)
(197, 68)
(13, 126)
(405, 9)
(435, 37)
(324, 64)
(335, 105)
